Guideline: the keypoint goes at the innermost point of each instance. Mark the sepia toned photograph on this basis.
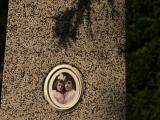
(63, 87)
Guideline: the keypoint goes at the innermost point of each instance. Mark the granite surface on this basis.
(44, 33)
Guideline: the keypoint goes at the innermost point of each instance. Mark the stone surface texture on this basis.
(32, 50)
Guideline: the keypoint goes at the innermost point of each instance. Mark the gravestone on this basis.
(41, 34)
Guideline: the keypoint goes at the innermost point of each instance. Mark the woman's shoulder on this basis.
(72, 92)
(57, 94)
(54, 91)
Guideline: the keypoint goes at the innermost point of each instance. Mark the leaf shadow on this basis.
(68, 22)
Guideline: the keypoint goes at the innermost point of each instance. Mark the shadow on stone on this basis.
(3, 26)
(114, 12)
(68, 22)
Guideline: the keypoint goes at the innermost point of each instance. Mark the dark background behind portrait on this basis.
(142, 57)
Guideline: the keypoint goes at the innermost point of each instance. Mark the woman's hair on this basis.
(70, 78)
(54, 87)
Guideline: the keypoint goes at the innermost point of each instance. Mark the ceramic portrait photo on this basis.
(63, 87)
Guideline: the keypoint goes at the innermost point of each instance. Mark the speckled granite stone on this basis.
(33, 49)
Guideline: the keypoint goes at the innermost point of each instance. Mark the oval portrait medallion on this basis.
(63, 87)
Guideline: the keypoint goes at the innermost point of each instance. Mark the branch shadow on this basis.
(68, 22)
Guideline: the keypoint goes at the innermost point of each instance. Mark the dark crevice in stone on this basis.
(68, 22)
(3, 26)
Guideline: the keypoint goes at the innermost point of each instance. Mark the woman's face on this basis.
(68, 85)
(60, 86)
